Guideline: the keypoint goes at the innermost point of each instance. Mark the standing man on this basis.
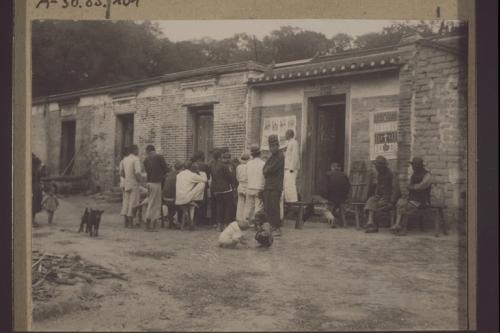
(156, 168)
(273, 173)
(382, 199)
(223, 181)
(292, 166)
(255, 186)
(130, 170)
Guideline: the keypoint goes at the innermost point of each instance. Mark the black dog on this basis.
(91, 219)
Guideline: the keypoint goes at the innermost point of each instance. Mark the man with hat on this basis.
(273, 174)
(255, 183)
(383, 197)
(419, 195)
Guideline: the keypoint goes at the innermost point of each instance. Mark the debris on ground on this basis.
(55, 269)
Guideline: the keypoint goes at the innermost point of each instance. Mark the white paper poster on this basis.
(278, 126)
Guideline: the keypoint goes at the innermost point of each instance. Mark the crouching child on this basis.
(231, 236)
(264, 234)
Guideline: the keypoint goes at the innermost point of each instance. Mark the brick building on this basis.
(399, 101)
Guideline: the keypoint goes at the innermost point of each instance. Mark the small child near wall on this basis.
(50, 201)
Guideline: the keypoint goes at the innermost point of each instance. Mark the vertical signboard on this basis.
(384, 134)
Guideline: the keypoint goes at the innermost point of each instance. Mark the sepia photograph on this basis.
(249, 175)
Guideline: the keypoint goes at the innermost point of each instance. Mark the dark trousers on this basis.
(213, 209)
(172, 209)
(271, 201)
(224, 206)
(200, 213)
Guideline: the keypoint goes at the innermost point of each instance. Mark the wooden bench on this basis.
(436, 207)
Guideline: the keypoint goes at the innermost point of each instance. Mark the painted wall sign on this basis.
(278, 126)
(384, 134)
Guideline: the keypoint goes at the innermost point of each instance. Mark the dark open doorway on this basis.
(67, 157)
(330, 141)
(124, 133)
(326, 141)
(203, 140)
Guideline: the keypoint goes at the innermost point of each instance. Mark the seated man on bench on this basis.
(337, 189)
(382, 200)
(419, 195)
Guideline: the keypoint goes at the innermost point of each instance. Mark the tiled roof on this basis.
(128, 85)
(334, 67)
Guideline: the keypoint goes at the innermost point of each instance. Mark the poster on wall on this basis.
(384, 134)
(278, 126)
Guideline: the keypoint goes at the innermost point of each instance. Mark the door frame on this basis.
(312, 99)
(196, 111)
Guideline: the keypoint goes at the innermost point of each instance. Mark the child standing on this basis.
(241, 177)
(50, 201)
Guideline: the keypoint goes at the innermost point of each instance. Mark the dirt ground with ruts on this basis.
(316, 278)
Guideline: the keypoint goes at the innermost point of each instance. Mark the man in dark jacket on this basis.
(419, 195)
(274, 169)
(223, 182)
(337, 187)
(169, 195)
(383, 197)
(156, 169)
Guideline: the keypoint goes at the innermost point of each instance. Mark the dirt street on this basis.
(312, 279)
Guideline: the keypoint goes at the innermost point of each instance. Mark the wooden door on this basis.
(330, 142)
(68, 136)
(127, 131)
(204, 140)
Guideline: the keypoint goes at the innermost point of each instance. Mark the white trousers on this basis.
(252, 204)
(290, 186)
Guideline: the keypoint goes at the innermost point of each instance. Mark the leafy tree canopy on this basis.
(73, 55)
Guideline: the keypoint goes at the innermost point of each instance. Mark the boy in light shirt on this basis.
(232, 235)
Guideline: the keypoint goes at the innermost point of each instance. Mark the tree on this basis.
(75, 55)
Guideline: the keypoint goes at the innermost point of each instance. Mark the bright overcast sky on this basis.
(220, 29)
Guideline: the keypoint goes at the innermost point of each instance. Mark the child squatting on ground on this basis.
(231, 236)
(50, 201)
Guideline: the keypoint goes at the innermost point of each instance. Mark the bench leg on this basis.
(356, 216)
(444, 226)
(437, 223)
(299, 221)
(342, 215)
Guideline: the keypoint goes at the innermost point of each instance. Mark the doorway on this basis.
(325, 142)
(203, 140)
(329, 141)
(67, 157)
(124, 133)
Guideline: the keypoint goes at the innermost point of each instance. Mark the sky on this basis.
(177, 30)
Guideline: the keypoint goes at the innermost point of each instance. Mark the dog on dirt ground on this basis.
(91, 219)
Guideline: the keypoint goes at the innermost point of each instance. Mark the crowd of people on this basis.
(235, 194)
(217, 193)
